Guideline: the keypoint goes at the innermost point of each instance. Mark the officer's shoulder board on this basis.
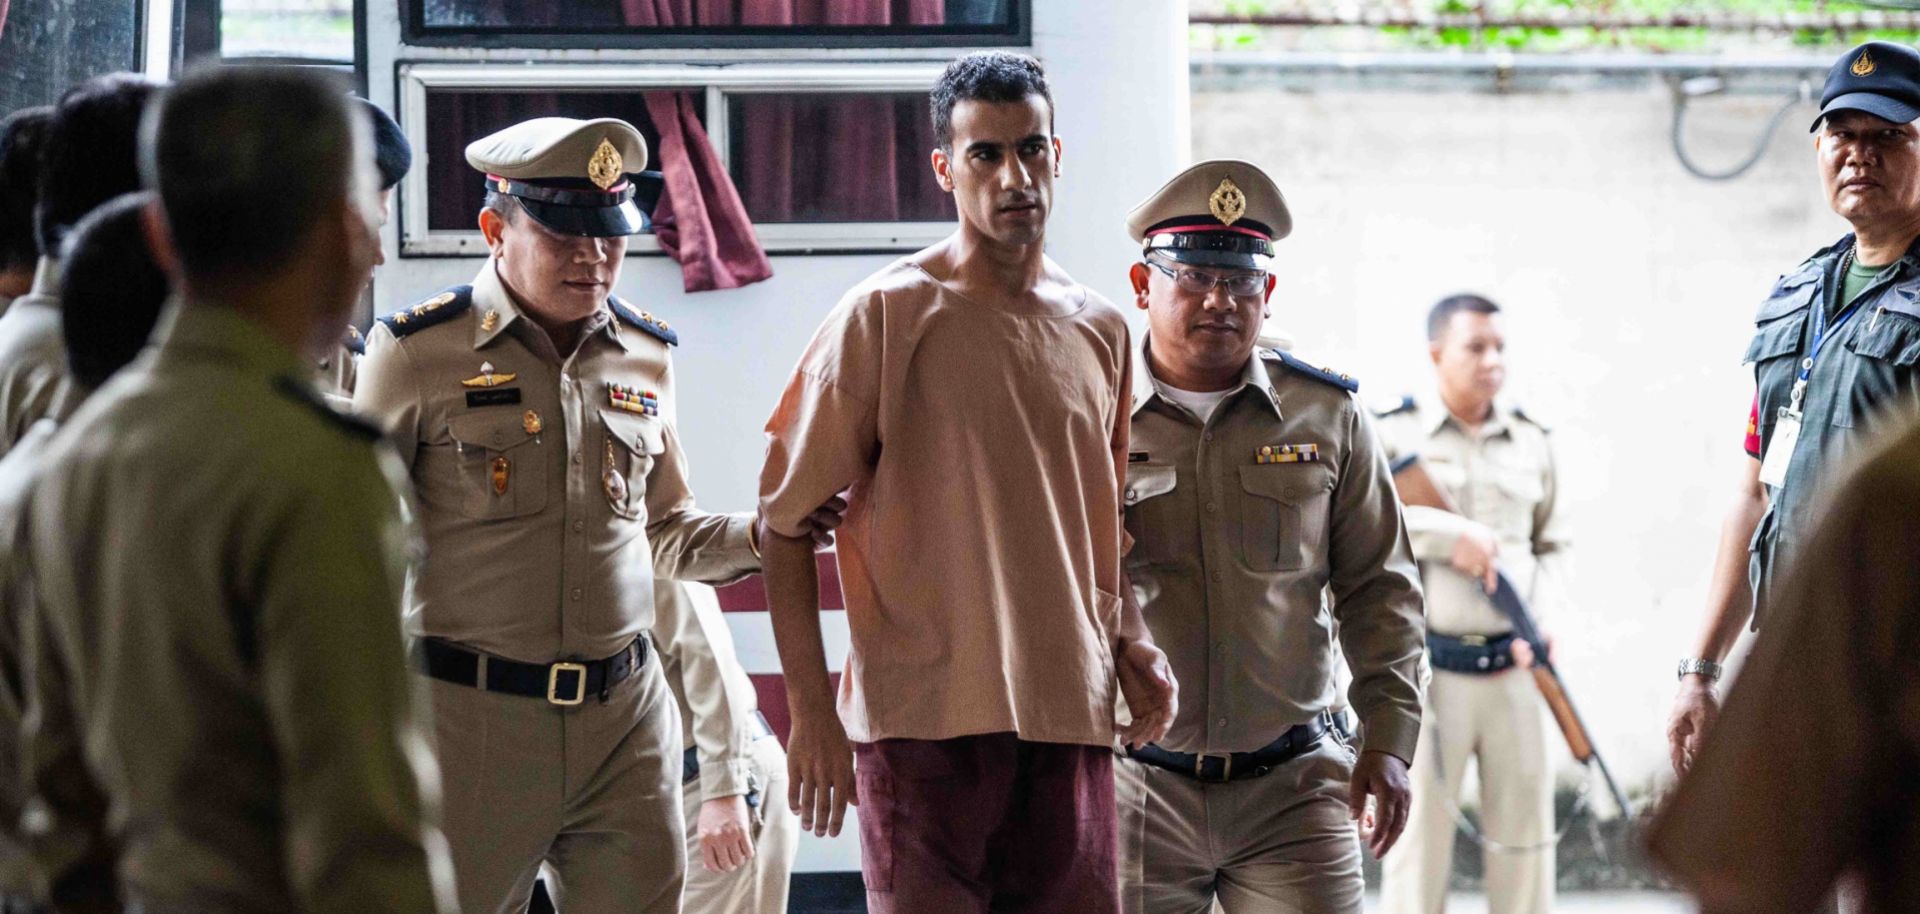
(1342, 381)
(306, 396)
(449, 304)
(354, 341)
(1524, 416)
(643, 320)
(1405, 404)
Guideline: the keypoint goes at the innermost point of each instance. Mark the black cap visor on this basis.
(591, 221)
(1883, 107)
(1213, 249)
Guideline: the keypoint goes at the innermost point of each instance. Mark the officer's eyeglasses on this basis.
(1201, 282)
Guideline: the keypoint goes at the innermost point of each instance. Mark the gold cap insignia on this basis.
(501, 186)
(605, 167)
(1863, 65)
(1227, 203)
(487, 378)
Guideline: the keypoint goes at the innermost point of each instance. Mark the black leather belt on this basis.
(1219, 769)
(1475, 654)
(564, 683)
(690, 763)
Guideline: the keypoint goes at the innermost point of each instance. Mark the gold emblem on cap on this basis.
(605, 167)
(1863, 65)
(1227, 203)
(501, 185)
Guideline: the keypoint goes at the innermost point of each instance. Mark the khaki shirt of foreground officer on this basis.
(218, 560)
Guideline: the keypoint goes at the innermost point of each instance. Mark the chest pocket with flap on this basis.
(502, 469)
(1152, 519)
(1283, 518)
(629, 445)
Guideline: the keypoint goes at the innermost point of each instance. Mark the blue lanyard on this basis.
(1820, 331)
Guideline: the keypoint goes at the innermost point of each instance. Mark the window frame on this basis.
(197, 32)
(1018, 32)
(417, 79)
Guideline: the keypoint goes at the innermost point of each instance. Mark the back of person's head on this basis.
(111, 289)
(1441, 317)
(247, 161)
(392, 153)
(999, 77)
(91, 149)
(22, 134)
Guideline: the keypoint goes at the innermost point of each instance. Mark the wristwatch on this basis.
(1695, 666)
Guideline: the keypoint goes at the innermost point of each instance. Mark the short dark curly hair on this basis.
(1441, 317)
(91, 151)
(21, 136)
(111, 290)
(985, 76)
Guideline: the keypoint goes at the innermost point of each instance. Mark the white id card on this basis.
(1786, 434)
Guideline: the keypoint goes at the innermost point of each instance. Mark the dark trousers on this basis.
(987, 824)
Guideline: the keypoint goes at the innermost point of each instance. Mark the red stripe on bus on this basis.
(772, 689)
(750, 595)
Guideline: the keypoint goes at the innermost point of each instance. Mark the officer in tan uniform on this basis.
(1497, 464)
(741, 835)
(1255, 484)
(217, 559)
(535, 412)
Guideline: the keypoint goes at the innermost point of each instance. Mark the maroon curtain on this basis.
(699, 218)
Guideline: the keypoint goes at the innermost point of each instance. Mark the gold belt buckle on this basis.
(1200, 767)
(553, 683)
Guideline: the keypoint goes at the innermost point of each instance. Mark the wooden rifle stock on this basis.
(1416, 487)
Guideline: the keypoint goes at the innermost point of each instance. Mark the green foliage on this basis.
(1545, 39)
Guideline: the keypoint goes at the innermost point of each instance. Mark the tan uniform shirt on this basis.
(1502, 477)
(1809, 770)
(981, 550)
(16, 479)
(218, 562)
(1231, 558)
(547, 506)
(33, 355)
(717, 700)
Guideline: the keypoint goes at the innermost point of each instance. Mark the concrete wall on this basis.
(1630, 288)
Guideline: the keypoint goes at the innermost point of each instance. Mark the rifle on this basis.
(1417, 487)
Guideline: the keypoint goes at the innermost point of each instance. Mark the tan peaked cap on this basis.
(560, 147)
(1215, 190)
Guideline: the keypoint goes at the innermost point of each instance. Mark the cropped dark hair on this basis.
(91, 151)
(985, 76)
(110, 289)
(1443, 312)
(22, 135)
(244, 159)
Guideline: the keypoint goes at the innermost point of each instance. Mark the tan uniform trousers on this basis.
(1500, 722)
(592, 790)
(761, 886)
(1279, 844)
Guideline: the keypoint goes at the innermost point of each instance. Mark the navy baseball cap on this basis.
(1880, 78)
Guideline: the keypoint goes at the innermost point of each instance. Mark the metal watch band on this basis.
(1695, 665)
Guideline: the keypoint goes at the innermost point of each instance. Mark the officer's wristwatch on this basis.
(1695, 666)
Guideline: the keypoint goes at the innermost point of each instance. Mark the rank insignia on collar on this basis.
(633, 400)
(487, 378)
(488, 321)
(1287, 453)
